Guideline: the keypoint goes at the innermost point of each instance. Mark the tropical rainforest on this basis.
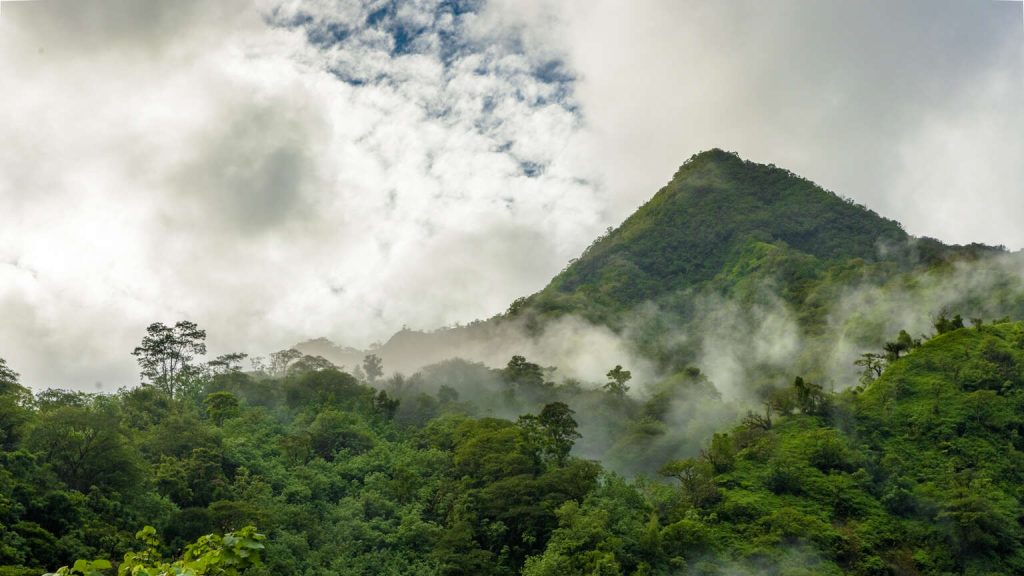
(821, 393)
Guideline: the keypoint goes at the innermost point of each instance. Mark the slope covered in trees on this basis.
(918, 471)
(704, 221)
(728, 229)
(739, 286)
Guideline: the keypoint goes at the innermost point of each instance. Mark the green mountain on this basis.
(724, 224)
(717, 212)
(751, 289)
(751, 234)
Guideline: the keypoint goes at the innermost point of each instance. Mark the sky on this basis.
(283, 170)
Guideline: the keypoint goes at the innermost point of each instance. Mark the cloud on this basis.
(273, 171)
(910, 107)
(278, 170)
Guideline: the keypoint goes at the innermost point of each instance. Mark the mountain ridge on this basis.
(722, 225)
(713, 208)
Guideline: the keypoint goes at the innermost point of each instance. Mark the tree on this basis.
(559, 429)
(258, 365)
(221, 406)
(385, 405)
(696, 477)
(907, 341)
(519, 372)
(14, 406)
(873, 365)
(893, 350)
(446, 394)
(517, 306)
(227, 363)
(810, 398)
(755, 421)
(943, 324)
(280, 360)
(86, 446)
(332, 431)
(617, 378)
(166, 353)
(904, 343)
(311, 364)
(720, 454)
(8, 378)
(373, 366)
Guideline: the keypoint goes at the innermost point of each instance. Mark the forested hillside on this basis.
(704, 222)
(916, 472)
(808, 390)
(727, 236)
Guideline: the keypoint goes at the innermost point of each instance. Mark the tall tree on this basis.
(8, 378)
(166, 354)
(810, 397)
(560, 428)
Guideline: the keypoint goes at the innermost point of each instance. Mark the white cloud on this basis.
(284, 170)
(204, 164)
(899, 105)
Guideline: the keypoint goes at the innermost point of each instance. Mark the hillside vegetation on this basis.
(917, 472)
(812, 402)
(727, 230)
(718, 213)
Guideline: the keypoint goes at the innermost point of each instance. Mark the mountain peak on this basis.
(715, 208)
(714, 155)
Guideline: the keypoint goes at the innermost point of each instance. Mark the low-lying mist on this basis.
(727, 353)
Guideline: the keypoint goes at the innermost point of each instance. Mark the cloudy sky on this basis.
(282, 170)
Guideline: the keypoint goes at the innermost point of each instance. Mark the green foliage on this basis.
(617, 378)
(213, 555)
(704, 222)
(220, 406)
(523, 374)
(943, 324)
(166, 354)
(553, 430)
(83, 567)
(86, 446)
(916, 471)
(14, 406)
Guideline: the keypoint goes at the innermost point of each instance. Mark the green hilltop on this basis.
(718, 213)
(724, 224)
